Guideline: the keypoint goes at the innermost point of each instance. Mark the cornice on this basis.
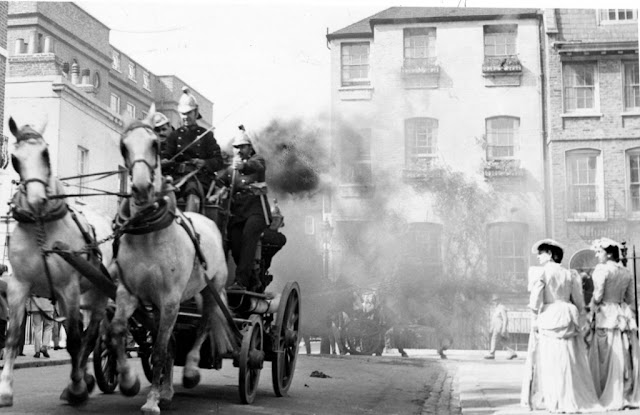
(62, 87)
(39, 16)
(601, 47)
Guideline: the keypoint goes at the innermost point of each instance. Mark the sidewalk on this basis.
(493, 386)
(58, 357)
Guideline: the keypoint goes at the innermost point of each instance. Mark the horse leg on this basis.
(307, 343)
(126, 304)
(77, 390)
(98, 306)
(17, 295)
(166, 391)
(190, 374)
(168, 316)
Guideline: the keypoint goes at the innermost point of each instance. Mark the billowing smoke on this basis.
(297, 156)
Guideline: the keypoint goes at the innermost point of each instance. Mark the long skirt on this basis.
(565, 379)
(613, 358)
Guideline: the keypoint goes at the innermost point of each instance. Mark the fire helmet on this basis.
(187, 101)
(159, 119)
(242, 138)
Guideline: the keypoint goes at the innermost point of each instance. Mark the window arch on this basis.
(585, 193)
(502, 137)
(421, 139)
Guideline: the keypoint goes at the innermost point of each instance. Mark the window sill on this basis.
(587, 219)
(355, 93)
(633, 113)
(582, 115)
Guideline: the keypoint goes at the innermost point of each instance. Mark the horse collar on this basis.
(54, 209)
(154, 218)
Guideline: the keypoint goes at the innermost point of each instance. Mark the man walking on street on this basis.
(499, 333)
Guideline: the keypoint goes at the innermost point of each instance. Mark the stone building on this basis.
(64, 76)
(592, 128)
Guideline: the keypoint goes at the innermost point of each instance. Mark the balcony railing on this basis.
(420, 66)
(503, 168)
(501, 64)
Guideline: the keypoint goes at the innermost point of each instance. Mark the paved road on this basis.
(357, 385)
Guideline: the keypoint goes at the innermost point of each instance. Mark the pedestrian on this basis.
(4, 308)
(57, 329)
(250, 212)
(561, 363)
(613, 352)
(41, 310)
(203, 155)
(499, 329)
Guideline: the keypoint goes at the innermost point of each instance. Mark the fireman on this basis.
(250, 213)
(204, 154)
(162, 126)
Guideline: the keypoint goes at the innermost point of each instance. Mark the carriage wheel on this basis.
(251, 359)
(286, 339)
(104, 363)
(364, 337)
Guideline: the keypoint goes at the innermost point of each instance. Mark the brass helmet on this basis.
(187, 101)
(159, 119)
(242, 138)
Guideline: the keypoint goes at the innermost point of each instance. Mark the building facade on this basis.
(592, 103)
(66, 78)
(414, 89)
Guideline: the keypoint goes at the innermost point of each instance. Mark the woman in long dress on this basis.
(561, 364)
(613, 352)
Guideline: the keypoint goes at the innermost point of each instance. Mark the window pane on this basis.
(508, 253)
(355, 64)
(631, 85)
(421, 140)
(579, 86)
(582, 183)
(501, 137)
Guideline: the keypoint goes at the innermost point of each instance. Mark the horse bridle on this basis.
(152, 168)
(25, 182)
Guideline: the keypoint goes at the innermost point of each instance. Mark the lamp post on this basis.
(327, 231)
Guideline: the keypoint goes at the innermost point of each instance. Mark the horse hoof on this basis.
(6, 400)
(191, 381)
(90, 380)
(74, 398)
(132, 390)
(149, 409)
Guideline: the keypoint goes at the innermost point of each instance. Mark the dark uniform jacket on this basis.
(206, 148)
(245, 201)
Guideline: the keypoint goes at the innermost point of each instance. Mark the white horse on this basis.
(162, 267)
(41, 221)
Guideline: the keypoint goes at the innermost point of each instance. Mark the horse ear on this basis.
(152, 112)
(13, 127)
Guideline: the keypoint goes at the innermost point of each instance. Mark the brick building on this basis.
(592, 108)
(64, 74)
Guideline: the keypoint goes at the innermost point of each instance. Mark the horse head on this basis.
(30, 159)
(140, 149)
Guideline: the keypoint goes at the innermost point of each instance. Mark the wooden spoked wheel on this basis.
(104, 362)
(251, 359)
(286, 339)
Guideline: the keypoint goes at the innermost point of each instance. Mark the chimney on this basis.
(48, 44)
(31, 48)
(86, 80)
(75, 73)
(19, 48)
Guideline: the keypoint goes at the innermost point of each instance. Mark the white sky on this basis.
(256, 60)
